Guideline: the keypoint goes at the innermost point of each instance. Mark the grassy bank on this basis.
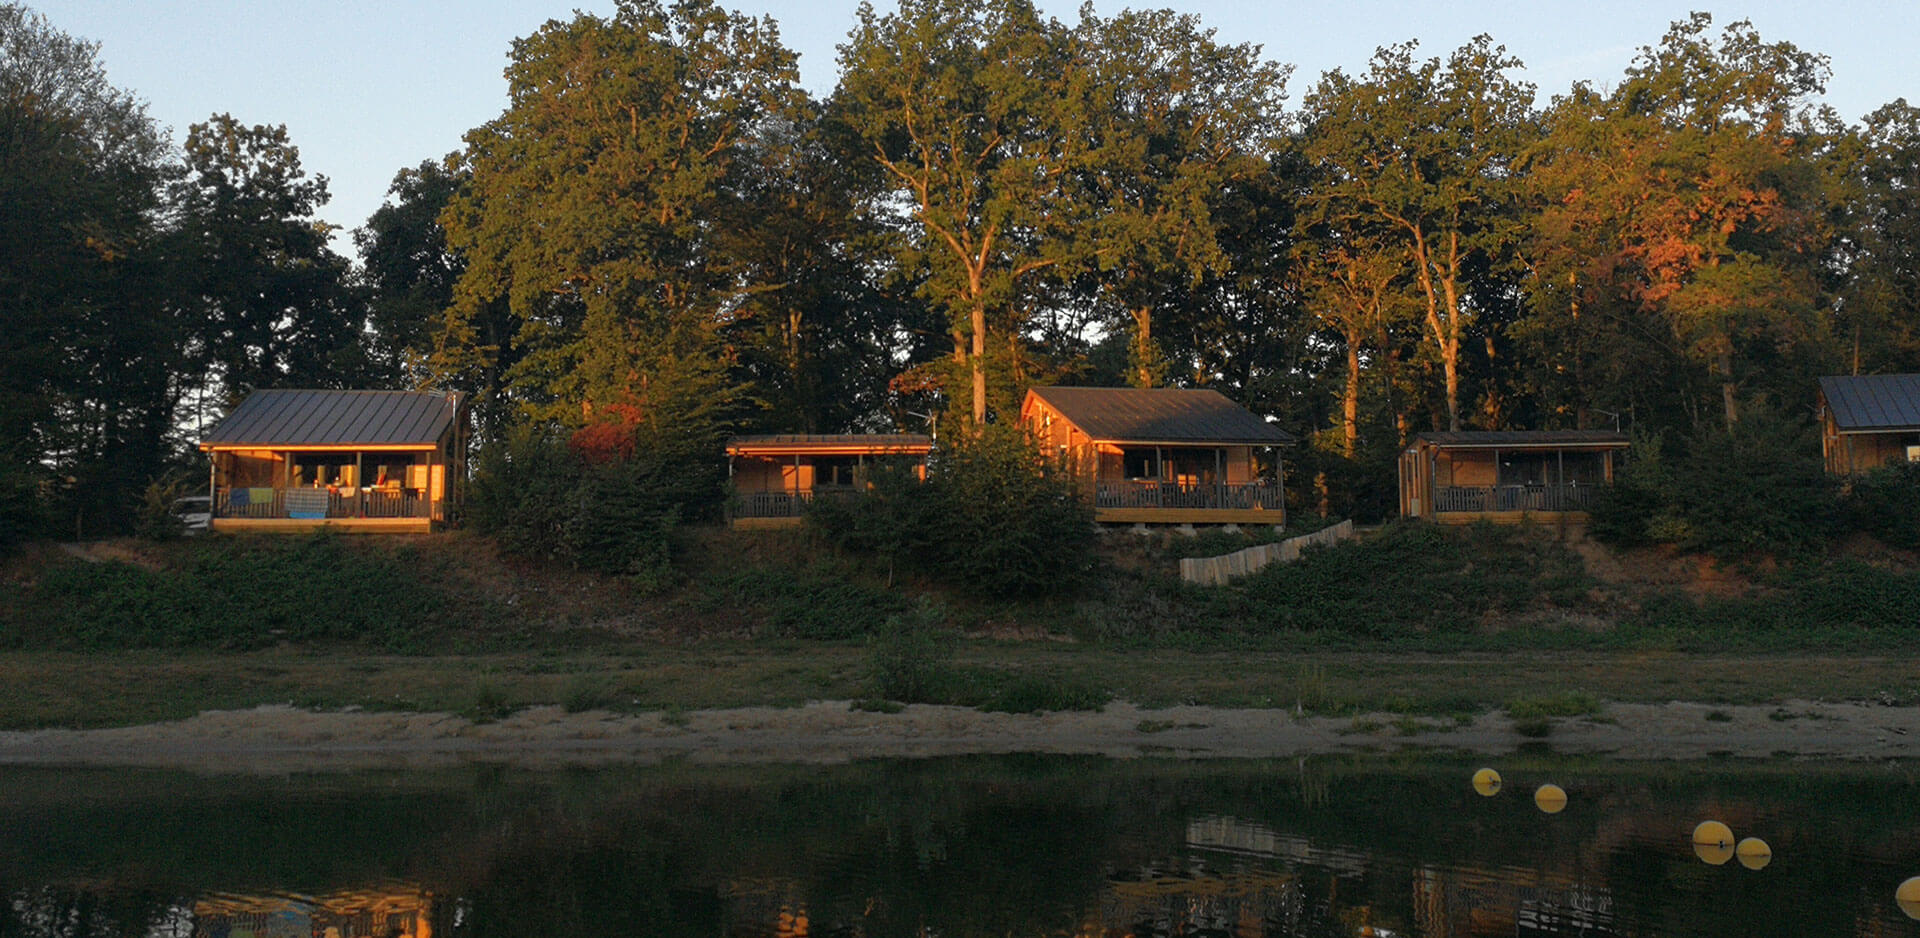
(1414, 619)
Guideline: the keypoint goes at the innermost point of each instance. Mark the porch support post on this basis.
(1159, 478)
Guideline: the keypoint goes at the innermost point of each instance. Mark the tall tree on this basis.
(87, 354)
(1692, 195)
(971, 109)
(591, 205)
(1425, 152)
(1881, 175)
(269, 301)
(1176, 122)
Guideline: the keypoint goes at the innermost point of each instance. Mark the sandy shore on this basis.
(282, 739)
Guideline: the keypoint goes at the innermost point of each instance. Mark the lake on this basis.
(1379, 845)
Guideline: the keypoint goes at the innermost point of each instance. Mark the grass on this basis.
(42, 689)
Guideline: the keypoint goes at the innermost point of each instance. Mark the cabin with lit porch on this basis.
(368, 461)
(1163, 455)
(775, 477)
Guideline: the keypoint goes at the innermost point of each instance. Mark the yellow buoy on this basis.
(1550, 798)
(1753, 853)
(1486, 782)
(1713, 854)
(1713, 832)
(1908, 897)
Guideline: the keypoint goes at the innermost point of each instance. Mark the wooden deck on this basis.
(303, 525)
(1273, 516)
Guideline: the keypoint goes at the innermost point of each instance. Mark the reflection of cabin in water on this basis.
(1869, 421)
(1163, 455)
(1506, 476)
(295, 460)
(775, 477)
(393, 912)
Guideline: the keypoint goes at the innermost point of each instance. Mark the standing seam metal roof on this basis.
(1160, 415)
(336, 418)
(1869, 403)
(1524, 438)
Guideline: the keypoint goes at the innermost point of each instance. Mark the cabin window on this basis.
(834, 470)
(1142, 463)
(318, 470)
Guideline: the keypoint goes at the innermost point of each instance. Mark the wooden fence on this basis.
(1214, 571)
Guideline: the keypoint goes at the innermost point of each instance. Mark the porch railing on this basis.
(787, 504)
(1474, 498)
(1156, 494)
(316, 504)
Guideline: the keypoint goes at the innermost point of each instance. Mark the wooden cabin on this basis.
(776, 477)
(1868, 421)
(1163, 455)
(374, 461)
(1506, 476)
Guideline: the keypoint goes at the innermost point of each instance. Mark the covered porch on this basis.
(1198, 484)
(777, 477)
(1507, 476)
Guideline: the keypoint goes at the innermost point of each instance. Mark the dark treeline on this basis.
(663, 238)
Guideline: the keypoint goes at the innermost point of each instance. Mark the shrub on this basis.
(911, 661)
(1758, 487)
(1886, 504)
(995, 517)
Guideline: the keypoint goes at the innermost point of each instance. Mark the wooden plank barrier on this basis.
(1214, 571)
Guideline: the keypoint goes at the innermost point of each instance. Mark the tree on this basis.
(1880, 172)
(971, 110)
(591, 206)
(1176, 122)
(1690, 197)
(1425, 152)
(408, 269)
(87, 355)
(267, 300)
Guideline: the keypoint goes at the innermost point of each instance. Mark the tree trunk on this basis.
(1143, 351)
(1350, 399)
(979, 364)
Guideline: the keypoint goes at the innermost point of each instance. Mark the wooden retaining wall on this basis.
(1213, 571)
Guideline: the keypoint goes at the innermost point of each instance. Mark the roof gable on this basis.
(286, 417)
(1866, 403)
(1160, 415)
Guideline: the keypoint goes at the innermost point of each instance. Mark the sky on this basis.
(369, 87)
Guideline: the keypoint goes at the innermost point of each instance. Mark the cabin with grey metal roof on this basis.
(1869, 421)
(776, 477)
(1507, 476)
(296, 460)
(1163, 455)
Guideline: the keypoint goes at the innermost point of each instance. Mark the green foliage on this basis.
(522, 492)
(1812, 600)
(589, 692)
(155, 519)
(820, 601)
(1756, 488)
(1886, 504)
(994, 517)
(242, 594)
(1411, 578)
(1571, 703)
(912, 659)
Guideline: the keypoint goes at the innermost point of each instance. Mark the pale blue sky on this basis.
(367, 87)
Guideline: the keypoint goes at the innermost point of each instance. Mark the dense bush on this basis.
(609, 509)
(1758, 487)
(1886, 504)
(240, 594)
(995, 517)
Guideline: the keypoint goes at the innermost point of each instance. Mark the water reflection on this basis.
(1030, 846)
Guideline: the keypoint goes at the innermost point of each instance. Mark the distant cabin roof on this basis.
(1160, 415)
(830, 444)
(1523, 439)
(1873, 403)
(294, 418)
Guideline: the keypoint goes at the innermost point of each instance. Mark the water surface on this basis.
(959, 847)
